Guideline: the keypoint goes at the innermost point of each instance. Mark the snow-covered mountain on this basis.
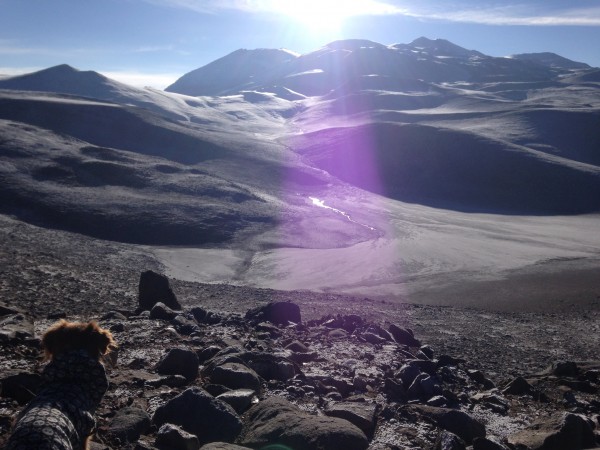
(428, 123)
(348, 62)
(359, 167)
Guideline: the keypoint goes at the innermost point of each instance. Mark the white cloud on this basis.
(517, 13)
(358, 7)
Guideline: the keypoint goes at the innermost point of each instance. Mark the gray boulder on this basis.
(277, 421)
(239, 399)
(361, 414)
(199, 413)
(235, 376)
(562, 432)
(171, 437)
(457, 422)
(20, 386)
(129, 424)
(223, 446)
(160, 311)
(280, 313)
(154, 288)
(179, 362)
(482, 443)
(449, 441)
(403, 336)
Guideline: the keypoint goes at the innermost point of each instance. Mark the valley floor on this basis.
(47, 272)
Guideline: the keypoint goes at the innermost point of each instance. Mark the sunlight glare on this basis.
(327, 15)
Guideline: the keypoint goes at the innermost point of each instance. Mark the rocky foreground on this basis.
(189, 378)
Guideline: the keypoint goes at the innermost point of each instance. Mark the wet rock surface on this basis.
(449, 379)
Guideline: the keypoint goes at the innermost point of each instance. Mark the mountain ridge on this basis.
(285, 132)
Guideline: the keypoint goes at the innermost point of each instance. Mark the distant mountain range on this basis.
(362, 63)
(235, 149)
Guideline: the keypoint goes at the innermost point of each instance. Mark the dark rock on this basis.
(431, 387)
(16, 327)
(20, 386)
(415, 390)
(457, 422)
(160, 311)
(199, 313)
(407, 373)
(184, 326)
(129, 424)
(169, 380)
(565, 369)
(6, 310)
(449, 441)
(154, 288)
(482, 443)
(239, 399)
(563, 432)
(97, 446)
(373, 338)
(57, 315)
(437, 400)
(446, 360)
(403, 336)
(423, 365)
(216, 389)
(113, 315)
(199, 413)
(171, 437)
(207, 353)
(219, 359)
(179, 362)
(302, 358)
(268, 330)
(427, 351)
(280, 313)
(493, 401)
(377, 330)
(338, 334)
(518, 386)
(277, 421)
(579, 385)
(269, 366)
(424, 386)
(297, 347)
(236, 376)
(363, 415)
(478, 377)
(351, 322)
(224, 446)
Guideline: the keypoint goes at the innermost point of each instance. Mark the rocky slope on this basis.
(333, 369)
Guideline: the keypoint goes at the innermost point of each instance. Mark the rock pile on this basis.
(187, 378)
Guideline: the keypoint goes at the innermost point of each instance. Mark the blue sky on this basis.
(153, 42)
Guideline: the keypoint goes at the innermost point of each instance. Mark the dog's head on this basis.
(66, 336)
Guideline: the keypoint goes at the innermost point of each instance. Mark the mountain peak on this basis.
(353, 44)
(550, 59)
(442, 47)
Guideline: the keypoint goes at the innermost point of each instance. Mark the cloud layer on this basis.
(532, 13)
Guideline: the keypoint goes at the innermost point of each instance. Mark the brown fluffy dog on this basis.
(60, 417)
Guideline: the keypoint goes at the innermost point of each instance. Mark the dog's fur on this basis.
(60, 417)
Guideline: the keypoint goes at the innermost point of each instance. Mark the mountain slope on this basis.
(353, 122)
(240, 70)
(453, 170)
(348, 61)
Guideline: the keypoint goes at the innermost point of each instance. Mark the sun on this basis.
(326, 15)
(317, 15)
